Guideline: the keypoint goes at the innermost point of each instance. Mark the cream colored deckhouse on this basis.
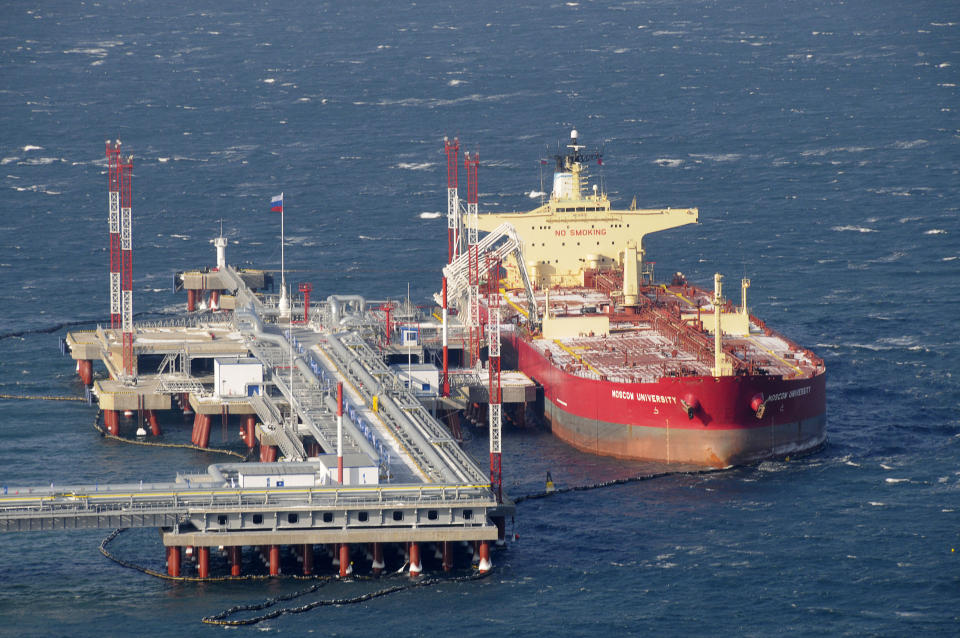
(572, 231)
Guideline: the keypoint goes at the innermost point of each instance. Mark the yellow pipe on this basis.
(578, 358)
(513, 305)
(676, 294)
(773, 354)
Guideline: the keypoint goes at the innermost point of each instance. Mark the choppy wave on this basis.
(415, 166)
(859, 229)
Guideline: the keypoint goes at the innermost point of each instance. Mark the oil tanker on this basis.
(636, 369)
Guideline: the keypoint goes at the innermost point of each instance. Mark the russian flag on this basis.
(276, 203)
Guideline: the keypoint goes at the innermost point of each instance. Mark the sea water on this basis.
(819, 140)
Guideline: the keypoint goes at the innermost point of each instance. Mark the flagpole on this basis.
(284, 305)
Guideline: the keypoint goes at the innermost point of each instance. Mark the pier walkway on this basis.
(409, 480)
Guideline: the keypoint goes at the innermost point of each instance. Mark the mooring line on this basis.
(187, 579)
(77, 322)
(621, 481)
(39, 397)
(105, 434)
(223, 618)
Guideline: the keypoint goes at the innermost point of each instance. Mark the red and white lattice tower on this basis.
(113, 187)
(126, 252)
(493, 366)
(470, 163)
(453, 242)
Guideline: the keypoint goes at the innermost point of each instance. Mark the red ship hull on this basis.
(653, 421)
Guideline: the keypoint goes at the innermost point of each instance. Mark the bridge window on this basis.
(467, 515)
(221, 520)
(363, 517)
(292, 518)
(328, 517)
(432, 515)
(258, 519)
(397, 515)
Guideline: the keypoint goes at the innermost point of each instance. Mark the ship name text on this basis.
(792, 394)
(644, 398)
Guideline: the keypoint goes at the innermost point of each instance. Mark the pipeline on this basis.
(334, 302)
(387, 404)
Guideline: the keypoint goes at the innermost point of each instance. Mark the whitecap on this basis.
(859, 229)
(718, 157)
(369, 238)
(885, 466)
(535, 194)
(949, 258)
(31, 147)
(943, 65)
(897, 480)
(877, 503)
(163, 160)
(97, 52)
(454, 82)
(429, 215)
(668, 162)
(8, 160)
(269, 80)
(415, 166)
(935, 231)
(910, 143)
(40, 161)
